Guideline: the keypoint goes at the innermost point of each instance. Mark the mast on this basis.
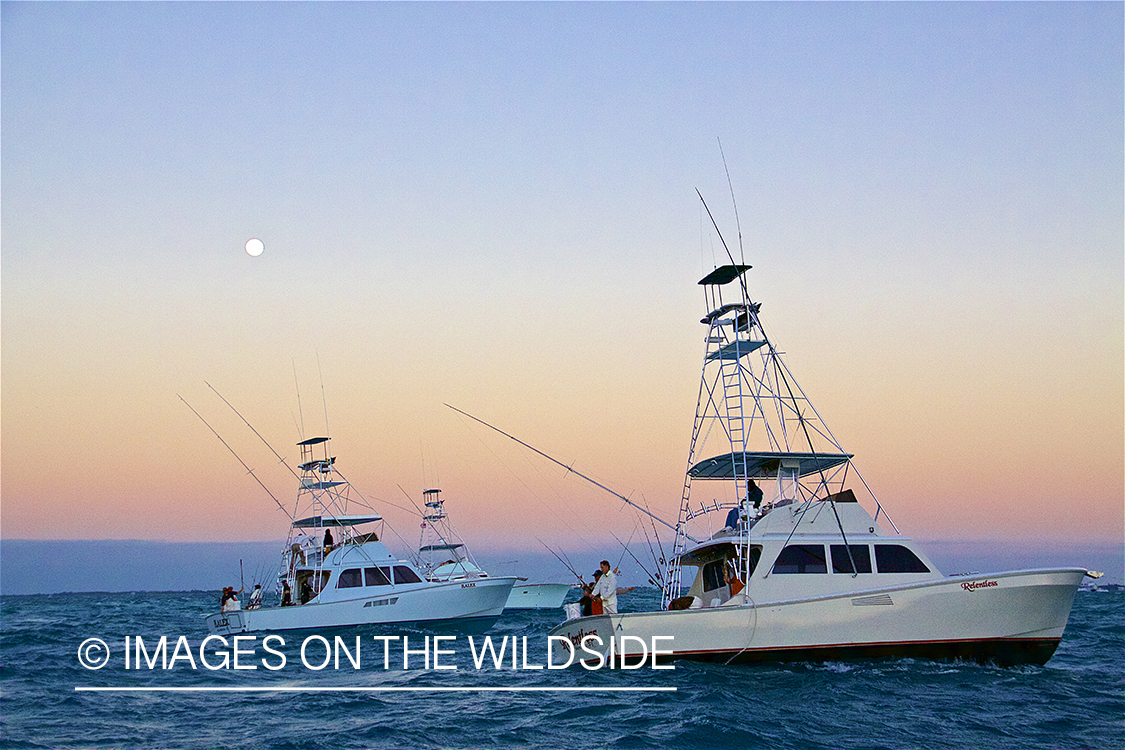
(438, 544)
(316, 482)
(322, 505)
(752, 424)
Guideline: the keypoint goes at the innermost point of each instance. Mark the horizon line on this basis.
(391, 689)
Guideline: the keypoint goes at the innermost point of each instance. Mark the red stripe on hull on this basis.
(1004, 652)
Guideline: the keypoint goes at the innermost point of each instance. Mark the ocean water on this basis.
(1077, 700)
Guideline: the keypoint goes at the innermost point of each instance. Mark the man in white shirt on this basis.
(606, 590)
(298, 549)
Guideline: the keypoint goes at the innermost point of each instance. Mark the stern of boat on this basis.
(227, 623)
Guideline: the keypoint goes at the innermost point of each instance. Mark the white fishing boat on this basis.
(444, 558)
(335, 571)
(798, 569)
(537, 595)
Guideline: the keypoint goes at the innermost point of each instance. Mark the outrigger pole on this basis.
(570, 469)
(244, 419)
(248, 469)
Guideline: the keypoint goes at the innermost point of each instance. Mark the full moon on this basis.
(255, 247)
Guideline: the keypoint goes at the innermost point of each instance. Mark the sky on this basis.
(494, 206)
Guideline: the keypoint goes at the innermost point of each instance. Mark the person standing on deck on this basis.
(587, 590)
(606, 590)
(297, 551)
(230, 600)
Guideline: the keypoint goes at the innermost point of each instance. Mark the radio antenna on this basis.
(737, 224)
(323, 397)
(297, 385)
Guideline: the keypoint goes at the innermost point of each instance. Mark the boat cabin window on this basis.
(377, 576)
(309, 584)
(350, 578)
(713, 575)
(841, 563)
(894, 558)
(404, 574)
(801, 558)
(714, 572)
(755, 556)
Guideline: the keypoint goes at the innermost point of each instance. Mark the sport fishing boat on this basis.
(788, 564)
(439, 542)
(336, 572)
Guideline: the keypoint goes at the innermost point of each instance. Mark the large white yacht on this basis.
(335, 571)
(798, 569)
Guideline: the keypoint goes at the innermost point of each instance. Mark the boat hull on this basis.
(537, 595)
(1006, 618)
(479, 602)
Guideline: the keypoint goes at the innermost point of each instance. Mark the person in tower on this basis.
(754, 494)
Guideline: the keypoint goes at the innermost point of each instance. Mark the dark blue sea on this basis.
(1076, 701)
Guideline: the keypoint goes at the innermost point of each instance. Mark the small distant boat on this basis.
(336, 572)
(538, 595)
(798, 569)
(1093, 586)
(440, 542)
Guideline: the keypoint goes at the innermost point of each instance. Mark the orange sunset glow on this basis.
(521, 239)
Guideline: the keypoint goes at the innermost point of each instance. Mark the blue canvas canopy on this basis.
(764, 465)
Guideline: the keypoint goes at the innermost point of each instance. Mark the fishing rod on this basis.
(564, 562)
(290, 468)
(730, 256)
(408, 497)
(569, 469)
(625, 546)
(367, 504)
(659, 562)
(656, 562)
(244, 419)
(660, 545)
(571, 564)
(248, 469)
